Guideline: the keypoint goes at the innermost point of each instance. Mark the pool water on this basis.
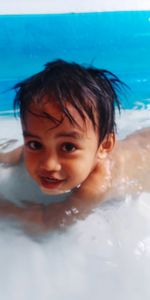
(107, 255)
(117, 41)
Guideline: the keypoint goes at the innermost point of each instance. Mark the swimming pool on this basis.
(108, 254)
(117, 41)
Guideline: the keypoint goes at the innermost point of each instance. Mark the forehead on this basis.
(38, 111)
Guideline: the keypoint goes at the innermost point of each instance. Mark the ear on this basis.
(106, 146)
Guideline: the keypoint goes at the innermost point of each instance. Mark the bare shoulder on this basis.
(137, 142)
(134, 152)
(140, 136)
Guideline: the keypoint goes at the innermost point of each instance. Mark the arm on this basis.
(12, 157)
(34, 215)
(62, 214)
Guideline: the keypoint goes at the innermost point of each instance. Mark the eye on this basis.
(34, 145)
(69, 147)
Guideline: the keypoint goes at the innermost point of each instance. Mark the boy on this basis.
(68, 119)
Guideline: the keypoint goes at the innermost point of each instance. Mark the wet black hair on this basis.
(92, 92)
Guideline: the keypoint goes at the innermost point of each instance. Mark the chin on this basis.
(53, 192)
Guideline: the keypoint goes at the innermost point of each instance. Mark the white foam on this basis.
(106, 254)
(10, 128)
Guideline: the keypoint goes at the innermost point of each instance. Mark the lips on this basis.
(51, 179)
(50, 182)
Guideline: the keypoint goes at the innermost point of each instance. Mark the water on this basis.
(117, 41)
(107, 255)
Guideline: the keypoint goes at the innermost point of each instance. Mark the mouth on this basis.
(50, 182)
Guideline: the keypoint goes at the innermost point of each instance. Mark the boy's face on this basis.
(59, 158)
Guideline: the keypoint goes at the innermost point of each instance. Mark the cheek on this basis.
(30, 162)
(81, 167)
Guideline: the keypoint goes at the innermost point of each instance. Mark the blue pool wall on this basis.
(117, 41)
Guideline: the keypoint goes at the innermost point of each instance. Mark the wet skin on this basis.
(60, 158)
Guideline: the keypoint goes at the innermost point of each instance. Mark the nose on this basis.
(50, 162)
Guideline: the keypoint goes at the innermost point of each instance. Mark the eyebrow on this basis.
(72, 134)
